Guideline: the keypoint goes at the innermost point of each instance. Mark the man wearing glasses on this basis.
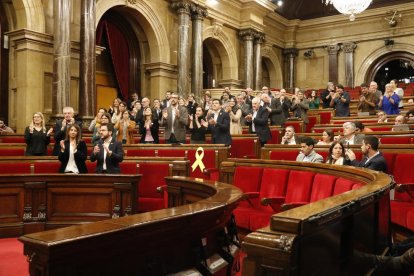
(174, 119)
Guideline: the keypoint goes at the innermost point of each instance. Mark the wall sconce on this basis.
(309, 53)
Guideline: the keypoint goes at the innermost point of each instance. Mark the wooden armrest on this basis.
(250, 157)
(292, 205)
(405, 188)
(272, 200)
(161, 189)
(250, 195)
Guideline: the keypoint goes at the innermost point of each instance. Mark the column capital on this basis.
(247, 34)
(333, 49)
(198, 12)
(290, 52)
(259, 37)
(349, 47)
(181, 6)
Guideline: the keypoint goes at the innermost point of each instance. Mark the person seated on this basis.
(327, 138)
(5, 129)
(382, 117)
(360, 127)
(350, 137)
(409, 116)
(307, 153)
(337, 155)
(373, 159)
(290, 138)
(401, 122)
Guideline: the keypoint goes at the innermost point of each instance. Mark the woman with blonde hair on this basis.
(36, 137)
(73, 152)
(125, 128)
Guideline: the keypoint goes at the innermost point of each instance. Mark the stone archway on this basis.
(379, 57)
(274, 70)
(223, 53)
(29, 15)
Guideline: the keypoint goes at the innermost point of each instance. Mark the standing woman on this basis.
(73, 152)
(198, 126)
(235, 114)
(313, 100)
(36, 137)
(149, 128)
(390, 101)
(125, 128)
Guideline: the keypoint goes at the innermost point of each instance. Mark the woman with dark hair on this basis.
(235, 115)
(337, 155)
(73, 152)
(148, 128)
(327, 137)
(125, 128)
(198, 126)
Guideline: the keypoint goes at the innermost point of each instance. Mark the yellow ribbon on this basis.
(199, 160)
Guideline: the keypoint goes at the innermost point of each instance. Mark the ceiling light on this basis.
(279, 3)
(349, 7)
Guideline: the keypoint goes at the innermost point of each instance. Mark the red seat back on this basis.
(248, 178)
(322, 186)
(286, 155)
(242, 147)
(275, 136)
(46, 166)
(15, 168)
(12, 152)
(12, 139)
(396, 140)
(403, 172)
(209, 161)
(141, 152)
(91, 166)
(297, 125)
(128, 167)
(342, 185)
(299, 186)
(273, 184)
(390, 159)
(172, 153)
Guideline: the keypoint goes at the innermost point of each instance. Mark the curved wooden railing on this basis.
(324, 237)
(154, 243)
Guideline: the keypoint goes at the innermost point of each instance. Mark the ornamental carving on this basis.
(133, 2)
(333, 49)
(266, 50)
(285, 242)
(247, 34)
(198, 12)
(27, 213)
(181, 6)
(290, 52)
(217, 29)
(349, 47)
(259, 37)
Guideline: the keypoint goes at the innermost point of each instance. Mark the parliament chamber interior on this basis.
(206, 137)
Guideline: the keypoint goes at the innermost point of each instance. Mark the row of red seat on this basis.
(271, 190)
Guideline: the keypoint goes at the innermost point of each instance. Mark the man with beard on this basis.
(219, 124)
(373, 159)
(108, 152)
(175, 120)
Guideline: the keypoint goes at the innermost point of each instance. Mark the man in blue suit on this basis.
(107, 152)
(219, 124)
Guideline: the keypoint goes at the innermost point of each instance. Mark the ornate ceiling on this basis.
(308, 9)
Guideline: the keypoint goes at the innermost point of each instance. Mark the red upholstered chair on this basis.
(91, 166)
(298, 190)
(357, 186)
(399, 212)
(140, 152)
(46, 166)
(297, 125)
(313, 120)
(128, 167)
(153, 176)
(324, 154)
(410, 219)
(286, 155)
(88, 140)
(325, 116)
(390, 159)
(342, 185)
(322, 186)
(404, 174)
(15, 168)
(396, 140)
(243, 147)
(210, 162)
(275, 136)
(13, 139)
(12, 152)
(172, 152)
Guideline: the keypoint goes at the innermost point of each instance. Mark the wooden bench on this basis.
(194, 235)
(319, 237)
(37, 202)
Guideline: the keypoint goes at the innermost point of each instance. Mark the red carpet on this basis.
(12, 260)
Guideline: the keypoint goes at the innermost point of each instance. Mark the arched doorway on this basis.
(397, 65)
(119, 66)
(4, 68)
(212, 65)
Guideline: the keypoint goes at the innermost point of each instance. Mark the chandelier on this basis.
(349, 7)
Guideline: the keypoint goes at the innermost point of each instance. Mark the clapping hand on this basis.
(62, 145)
(49, 131)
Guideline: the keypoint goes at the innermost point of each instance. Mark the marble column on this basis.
(183, 10)
(248, 36)
(333, 50)
(257, 69)
(197, 15)
(87, 65)
(61, 57)
(290, 55)
(348, 49)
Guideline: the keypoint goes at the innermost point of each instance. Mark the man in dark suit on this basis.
(61, 127)
(258, 121)
(373, 159)
(108, 152)
(166, 102)
(219, 124)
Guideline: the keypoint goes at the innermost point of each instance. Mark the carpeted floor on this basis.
(12, 260)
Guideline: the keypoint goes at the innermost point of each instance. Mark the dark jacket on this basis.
(220, 133)
(60, 134)
(261, 125)
(80, 157)
(154, 131)
(377, 163)
(112, 162)
(36, 142)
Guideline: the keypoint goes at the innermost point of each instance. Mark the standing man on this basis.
(300, 107)
(367, 101)
(327, 94)
(175, 120)
(107, 151)
(307, 152)
(166, 102)
(219, 124)
(258, 121)
(340, 101)
(61, 126)
(373, 159)
(245, 109)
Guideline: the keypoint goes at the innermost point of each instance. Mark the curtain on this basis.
(118, 51)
